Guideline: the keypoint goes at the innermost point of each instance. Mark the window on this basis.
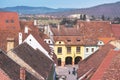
(77, 49)
(78, 40)
(68, 40)
(59, 42)
(7, 21)
(49, 42)
(68, 49)
(12, 21)
(59, 50)
(92, 49)
(45, 41)
(87, 50)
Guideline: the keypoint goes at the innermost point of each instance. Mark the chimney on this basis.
(22, 73)
(58, 27)
(78, 27)
(26, 29)
(20, 38)
(35, 22)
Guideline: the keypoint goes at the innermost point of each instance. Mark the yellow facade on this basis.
(64, 54)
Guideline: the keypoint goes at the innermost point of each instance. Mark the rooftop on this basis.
(92, 62)
(86, 31)
(35, 59)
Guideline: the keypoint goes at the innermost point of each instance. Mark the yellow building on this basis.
(68, 51)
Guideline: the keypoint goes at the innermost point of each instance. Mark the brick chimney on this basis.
(22, 73)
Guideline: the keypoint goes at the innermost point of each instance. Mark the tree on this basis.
(103, 17)
(84, 17)
(81, 18)
(93, 17)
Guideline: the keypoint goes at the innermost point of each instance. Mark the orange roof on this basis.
(87, 31)
(116, 30)
(35, 32)
(9, 21)
(3, 75)
(109, 67)
(93, 61)
(106, 40)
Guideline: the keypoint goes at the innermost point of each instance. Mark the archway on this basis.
(59, 61)
(68, 60)
(77, 59)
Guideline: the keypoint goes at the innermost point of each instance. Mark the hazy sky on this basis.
(55, 3)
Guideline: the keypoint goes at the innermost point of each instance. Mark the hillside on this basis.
(109, 10)
(34, 10)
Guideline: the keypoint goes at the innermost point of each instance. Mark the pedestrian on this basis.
(69, 71)
(73, 72)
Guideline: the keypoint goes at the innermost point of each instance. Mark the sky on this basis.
(55, 3)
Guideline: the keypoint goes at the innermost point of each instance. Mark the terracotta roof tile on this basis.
(116, 30)
(106, 40)
(87, 32)
(109, 68)
(9, 21)
(94, 60)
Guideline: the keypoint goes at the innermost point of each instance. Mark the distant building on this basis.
(80, 16)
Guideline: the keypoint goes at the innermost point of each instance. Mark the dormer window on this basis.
(68, 40)
(12, 21)
(7, 21)
(49, 42)
(78, 40)
(59, 42)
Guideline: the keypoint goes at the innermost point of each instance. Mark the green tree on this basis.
(103, 17)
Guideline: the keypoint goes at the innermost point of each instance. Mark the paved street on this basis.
(65, 71)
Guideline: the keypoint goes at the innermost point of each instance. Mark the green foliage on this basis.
(68, 22)
(103, 17)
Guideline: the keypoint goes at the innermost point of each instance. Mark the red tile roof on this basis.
(75, 40)
(88, 32)
(116, 30)
(9, 28)
(106, 40)
(9, 21)
(3, 75)
(35, 32)
(109, 68)
(93, 61)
